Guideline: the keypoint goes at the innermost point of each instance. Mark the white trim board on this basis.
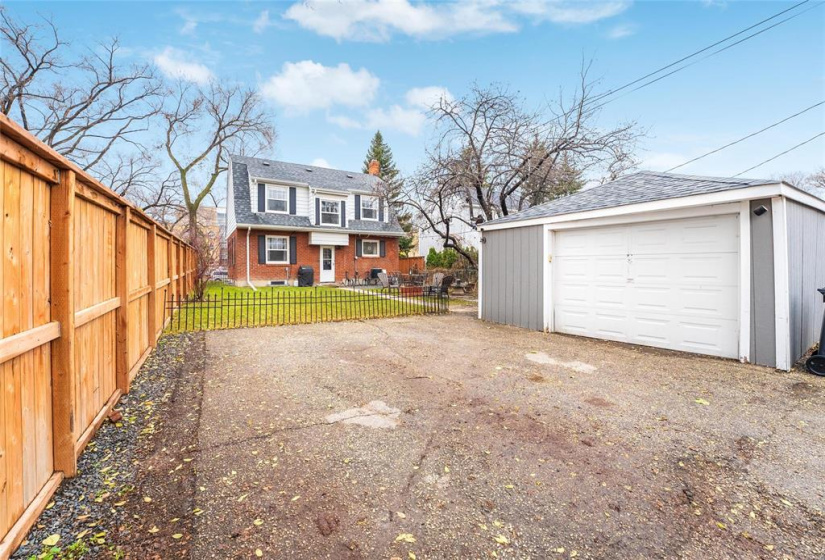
(781, 283)
(745, 281)
(723, 197)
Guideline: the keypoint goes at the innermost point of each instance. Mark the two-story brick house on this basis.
(281, 216)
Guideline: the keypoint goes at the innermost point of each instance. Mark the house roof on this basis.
(317, 177)
(322, 178)
(645, 186)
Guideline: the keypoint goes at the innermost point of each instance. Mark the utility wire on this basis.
(700, 51)
(809, 140)
(751, 135)
(714, 53)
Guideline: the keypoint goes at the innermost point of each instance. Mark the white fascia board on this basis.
(276, 182)
(480, 278)
(745, 281)
(792, 193)
(736, 195)
(324, 230)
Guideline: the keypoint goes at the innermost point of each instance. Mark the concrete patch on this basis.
(376, 414)
(544, 359)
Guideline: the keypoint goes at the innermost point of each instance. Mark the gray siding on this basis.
(806, 260)
(763, 323)
(512, 277)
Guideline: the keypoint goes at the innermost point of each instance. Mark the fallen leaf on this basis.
(259, 552)
(400, 515)
(701, 401)
(177, 536)
(154, 529)
(501, 539)
(258, 522)
(51, 540)
(405, 537)
(295, 498)
(147, 499)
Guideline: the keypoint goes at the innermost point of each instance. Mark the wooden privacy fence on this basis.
(410, 264)
(84, 278)
(309, 305)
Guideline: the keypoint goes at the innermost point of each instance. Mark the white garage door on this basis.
(672, 284)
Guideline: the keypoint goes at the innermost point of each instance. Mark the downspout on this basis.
(248, 281)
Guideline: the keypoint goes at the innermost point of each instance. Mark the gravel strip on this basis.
(88, 508)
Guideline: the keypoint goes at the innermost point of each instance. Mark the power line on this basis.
(809, 140)
(746, 137)
(700, 51)
(714, 53)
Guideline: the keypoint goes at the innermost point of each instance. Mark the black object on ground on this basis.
(816, 363)
(306, 276)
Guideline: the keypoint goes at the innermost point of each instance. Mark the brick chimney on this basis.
(375, 167)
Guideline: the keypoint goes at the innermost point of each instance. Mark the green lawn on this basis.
(232, 306)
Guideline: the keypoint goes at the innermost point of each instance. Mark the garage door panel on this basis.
(669, 284)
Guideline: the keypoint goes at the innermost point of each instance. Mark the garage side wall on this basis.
(806, 259)
(763, 308)
(512, 277)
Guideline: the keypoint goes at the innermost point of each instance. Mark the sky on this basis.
(331, 73)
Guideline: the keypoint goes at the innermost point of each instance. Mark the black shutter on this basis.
(292, 202)
(262, 249)
(357, 247)
(261, 198)
(357, 206)
(383, 247)
(293, 250)
(317, 211)
(343, 214)
(380, 209)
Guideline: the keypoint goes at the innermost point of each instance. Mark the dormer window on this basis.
(277, 199)
(369, 208)
(331, 212)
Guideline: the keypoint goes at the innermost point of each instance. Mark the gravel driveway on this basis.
(446, 437)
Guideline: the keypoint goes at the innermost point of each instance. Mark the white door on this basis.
(672, 284)
(327, 264)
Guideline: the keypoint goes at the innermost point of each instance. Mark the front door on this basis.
(327, 264)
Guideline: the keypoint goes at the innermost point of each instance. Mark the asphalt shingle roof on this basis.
(645, 186)
(319, 177)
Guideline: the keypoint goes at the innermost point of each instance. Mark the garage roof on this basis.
(645, 186)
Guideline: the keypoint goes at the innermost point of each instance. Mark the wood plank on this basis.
(28, 427)
(16, 154)
(91, 313)
(62, 349)
(20, 343)
(43, 413)
(5, 520)
(94, 425)
(11, 250)
(153, 280)
(94, 196)
(122, 282)
(162, 283)
(136, 368)
(40, 254)
(14, 438)
(25, 257)
(26, 521)
(139, 293)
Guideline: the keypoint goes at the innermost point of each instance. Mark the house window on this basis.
(369, 208)
(277, 199)
(369, 248)
(277, 250)
(330, 212)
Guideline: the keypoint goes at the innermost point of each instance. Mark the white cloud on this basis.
(621, 31)
(426, 97)
(409, 119)
(178, 65)
(188, 27)
(570, 12)
(321, 162)
(260, 24)
(378, 20)
(306, 85)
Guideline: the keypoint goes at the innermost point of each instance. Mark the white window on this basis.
(277, 199)
(369, 208)
(330, 212)
(369, 248)
(277, 250)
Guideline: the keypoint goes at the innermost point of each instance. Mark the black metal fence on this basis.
(301, 306)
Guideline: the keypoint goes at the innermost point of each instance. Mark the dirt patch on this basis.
(599, 402)
(375, 414)
(544, 359)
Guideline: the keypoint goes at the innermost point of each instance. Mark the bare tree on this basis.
(814, 182)
(493, 156)
(103, 108)
(203, 126)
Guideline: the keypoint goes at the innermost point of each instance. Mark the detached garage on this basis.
(723, 267)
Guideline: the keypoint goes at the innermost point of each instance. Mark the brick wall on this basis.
(308, 255)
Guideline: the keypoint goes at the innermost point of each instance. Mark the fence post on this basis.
(62, 311)
(122, 287)
(153, 280)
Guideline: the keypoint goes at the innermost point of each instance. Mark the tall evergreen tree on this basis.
(381, 152)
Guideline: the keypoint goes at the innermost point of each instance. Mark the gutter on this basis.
(248, 281)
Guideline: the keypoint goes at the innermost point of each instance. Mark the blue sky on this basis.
(380, 63)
